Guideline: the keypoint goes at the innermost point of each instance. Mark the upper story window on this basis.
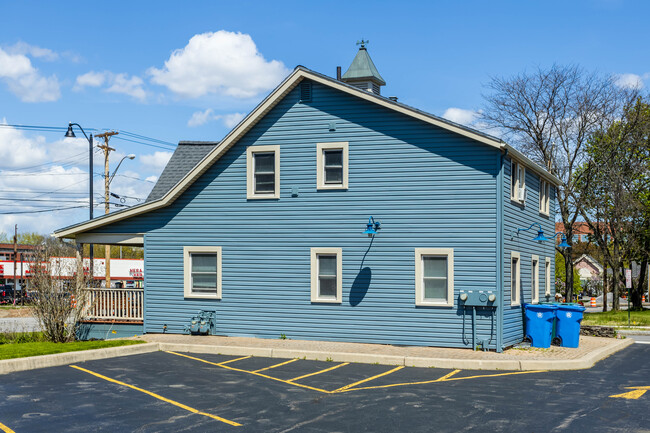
(332, 165)
(202, 272)
(518, 182)
(434, 277)
(326, 278)
(544, 197)
(263, 172)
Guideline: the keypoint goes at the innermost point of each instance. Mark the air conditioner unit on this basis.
(522, 194)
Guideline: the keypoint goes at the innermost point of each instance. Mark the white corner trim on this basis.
(419, 285)
(517, 298)
(534, 279)
(339, 275)
(250, 171)
(187, 271)
(547, 276)
(320, 164)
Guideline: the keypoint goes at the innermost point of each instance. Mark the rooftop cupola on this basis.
(362, 73)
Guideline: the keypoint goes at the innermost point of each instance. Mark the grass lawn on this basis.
(617, 318)
(21, 350)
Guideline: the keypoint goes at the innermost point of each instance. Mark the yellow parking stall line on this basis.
(445, 378)
(343, 388)
(230, 360)
(6, 429)
(159, 397)
(253, 373)
(319, 372)
(276, 365)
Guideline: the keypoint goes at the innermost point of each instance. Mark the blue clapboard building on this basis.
(334, 213)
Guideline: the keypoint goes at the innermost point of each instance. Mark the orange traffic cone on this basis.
(593, 302)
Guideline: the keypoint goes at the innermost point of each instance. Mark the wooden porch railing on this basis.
(120, 305)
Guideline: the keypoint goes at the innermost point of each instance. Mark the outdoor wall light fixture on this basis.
(372, 227)
(564, 243)
(540, 233)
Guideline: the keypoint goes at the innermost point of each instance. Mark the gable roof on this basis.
(590, 260)
(184, 159)
(299, 73)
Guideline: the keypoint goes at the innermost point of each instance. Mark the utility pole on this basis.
(107, 255)
(15, 257)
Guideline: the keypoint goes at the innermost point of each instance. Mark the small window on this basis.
(263, 172)
(202, 272)
(332, 166)
(434, 277)
(518, 182)
(515, 272)
(326, 278)
(544, 197)
(547, 276)
(534, 278)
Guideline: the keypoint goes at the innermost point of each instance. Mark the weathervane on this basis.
(363, 43)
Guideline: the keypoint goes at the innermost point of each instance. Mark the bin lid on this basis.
(540, 307)
(571, 307)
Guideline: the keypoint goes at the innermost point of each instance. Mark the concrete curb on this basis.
(587, 361)
(57, 359)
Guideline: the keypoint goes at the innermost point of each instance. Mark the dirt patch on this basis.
(16, 312)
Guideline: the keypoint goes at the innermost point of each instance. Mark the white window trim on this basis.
(547, 276)
(187, 271)
(320, 165)
(419, 287)
(514, 192)
(544, 197)
(314, 275)
(534, 279)
(516, 300)
(250, 171)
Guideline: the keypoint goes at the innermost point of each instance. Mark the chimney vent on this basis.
(393, 98)
(338, 73)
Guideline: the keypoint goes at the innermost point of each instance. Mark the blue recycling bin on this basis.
(567, 328)
(539, 324)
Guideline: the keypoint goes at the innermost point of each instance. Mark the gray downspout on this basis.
(499, 242)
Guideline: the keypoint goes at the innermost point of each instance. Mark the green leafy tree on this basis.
(560, 276)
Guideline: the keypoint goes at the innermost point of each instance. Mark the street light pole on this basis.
(70, 134)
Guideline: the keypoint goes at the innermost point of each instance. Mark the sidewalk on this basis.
(591, 350)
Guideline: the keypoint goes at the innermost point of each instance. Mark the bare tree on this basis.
(549, 114)
(59, 287)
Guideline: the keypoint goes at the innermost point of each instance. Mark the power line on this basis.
(42, 210)
(167, 147)
(144, 137)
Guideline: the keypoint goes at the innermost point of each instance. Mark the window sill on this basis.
(200, 296)
(520, 203)
(263, 197)
(330, 187)
(326, 301)
(544, 214)
(434, 304)
(515, 304)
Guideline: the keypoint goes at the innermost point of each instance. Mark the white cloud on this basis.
(631, 81)
(200, 118)
(223, 63)
(153, 179)
(116, 83)
(156, 161)
(24, 80)
(34, 51)
(459, 115)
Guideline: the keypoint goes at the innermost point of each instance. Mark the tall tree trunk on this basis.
(605, 281)
(616, 292)
(637, 289)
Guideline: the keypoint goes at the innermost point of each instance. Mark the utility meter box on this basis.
(478, 298)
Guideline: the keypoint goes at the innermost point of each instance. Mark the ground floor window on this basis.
(534, 278)
(202, 272)
(434, 277)
(547, 276)
(326, 278)
(515, 272)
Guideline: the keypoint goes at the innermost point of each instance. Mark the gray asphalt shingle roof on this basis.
(184, 159)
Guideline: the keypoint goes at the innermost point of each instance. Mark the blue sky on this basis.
(190, 70)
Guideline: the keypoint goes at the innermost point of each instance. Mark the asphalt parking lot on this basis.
(173, 392)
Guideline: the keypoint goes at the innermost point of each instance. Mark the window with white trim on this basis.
(326, 275)
(544, 197)
(547, 276)
(518, 182)
(263, 172)
(534, 279)
(332, 165)
(202, 272)
(515, 273)
(434, 277)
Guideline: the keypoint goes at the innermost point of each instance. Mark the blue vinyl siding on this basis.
(518, 216)
(428, 187)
